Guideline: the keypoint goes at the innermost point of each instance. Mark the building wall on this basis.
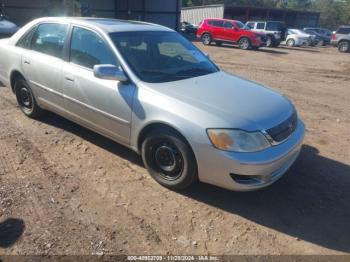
(195, 15)
(164, 12)
(292, 18)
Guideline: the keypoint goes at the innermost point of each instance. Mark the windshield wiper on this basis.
(194, 70)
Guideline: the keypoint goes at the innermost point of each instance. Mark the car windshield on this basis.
(158, 56)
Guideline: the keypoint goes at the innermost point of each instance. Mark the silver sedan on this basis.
(148, 88)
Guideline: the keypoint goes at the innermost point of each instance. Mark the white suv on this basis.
(274, 30)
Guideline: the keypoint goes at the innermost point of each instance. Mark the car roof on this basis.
(221, 19)
(106, 24)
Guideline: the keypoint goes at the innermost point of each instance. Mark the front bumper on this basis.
(226, 169)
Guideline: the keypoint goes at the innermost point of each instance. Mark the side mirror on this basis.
(236, 29)
(110, 72)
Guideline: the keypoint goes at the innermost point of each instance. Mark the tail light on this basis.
(334, 36)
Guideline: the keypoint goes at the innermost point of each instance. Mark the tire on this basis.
(26, 100)
(290, 42)
(206, 39)
(269, 41)
(169, 159)
(344, 46)
(244, 43)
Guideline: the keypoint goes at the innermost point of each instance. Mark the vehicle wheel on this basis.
(244, 43)
(269, 41)
(169, 159)
(344, 46)
(206, 39)
(290, 42)
(218, 43)
(26, 99)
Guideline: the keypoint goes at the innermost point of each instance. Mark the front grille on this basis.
(285, 129)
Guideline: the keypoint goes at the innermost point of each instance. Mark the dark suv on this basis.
(341, 39)
(229, 31)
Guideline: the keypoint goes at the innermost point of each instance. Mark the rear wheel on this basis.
(169, 159)
(269, 41)
(290, 42)
(26, 99)
(206, 39)
(244, 43)
(344, 46)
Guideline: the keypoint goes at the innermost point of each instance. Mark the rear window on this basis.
(343, 30)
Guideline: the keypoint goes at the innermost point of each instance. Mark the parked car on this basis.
(7, 28)
(150, 89)
(275, 31)
(229, 31)
(341, 39)
(296, 37)
(323, 35)
(188, 28)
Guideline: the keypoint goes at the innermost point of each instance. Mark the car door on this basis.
(230, 32)
(217, 29)
(102, 105)
(42, 64)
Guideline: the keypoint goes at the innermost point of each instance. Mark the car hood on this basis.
(225, 101)
(7, 27)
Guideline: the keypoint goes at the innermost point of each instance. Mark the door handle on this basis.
(26, 62)
(69, 79)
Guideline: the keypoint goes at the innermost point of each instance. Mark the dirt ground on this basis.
(67, 190)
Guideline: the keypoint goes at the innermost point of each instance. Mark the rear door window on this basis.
(49, 39)
(216, 23)
(260, 26)
(26, 40)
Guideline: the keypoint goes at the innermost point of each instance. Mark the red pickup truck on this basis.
(229, 31)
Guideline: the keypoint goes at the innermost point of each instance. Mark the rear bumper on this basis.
(249, 171)
(334, 43)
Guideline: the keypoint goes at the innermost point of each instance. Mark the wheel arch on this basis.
(157, 125)
(15, 74)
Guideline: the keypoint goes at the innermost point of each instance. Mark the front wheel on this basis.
(244, 43)
(169, 159)
(26, 100)
(344, 46)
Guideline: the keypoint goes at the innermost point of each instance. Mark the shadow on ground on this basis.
(10, 231)
(309, 49)
(92, 137)
(311, 202)
(262, 50)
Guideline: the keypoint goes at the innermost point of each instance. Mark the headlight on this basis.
(238, 140)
